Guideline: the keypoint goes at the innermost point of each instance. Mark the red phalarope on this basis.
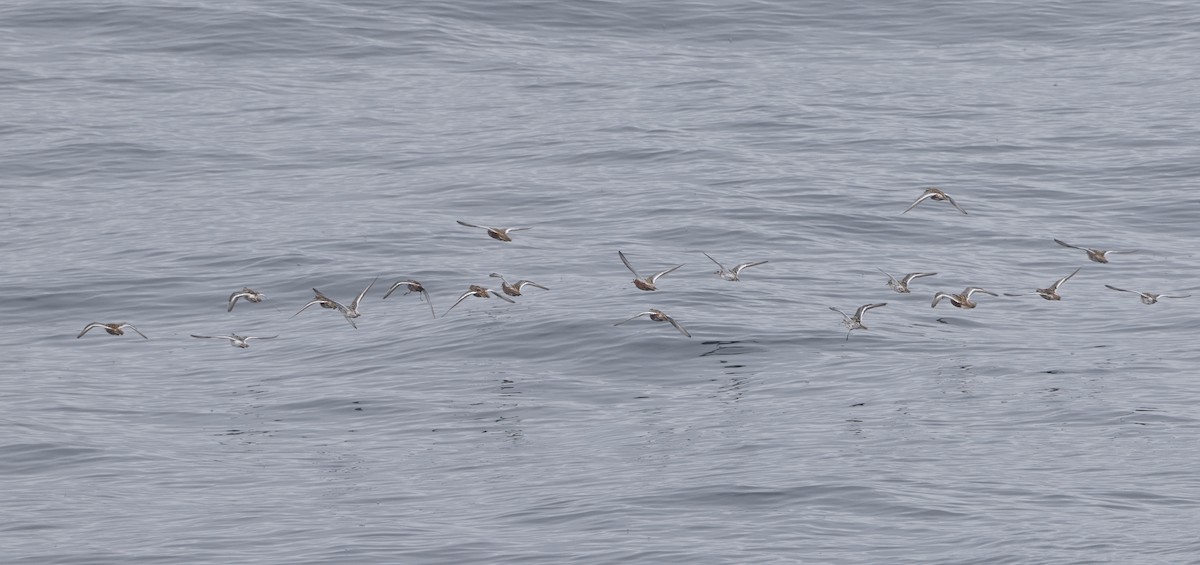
(248, 293)
(1149, 297)
(349, 313)
(480, 292)
(322, 301)
(1050, 293)
(731, 274)
(352, 312)
(1097, 255)
(114, 329)
(413, 286)
(658, 316)
(496, 233)
(961, 300)
(648, 282)
(855, 322)
(901, 285)
(235, 339)
(514, 289)
(934, 194)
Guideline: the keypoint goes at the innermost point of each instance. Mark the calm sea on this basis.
(160, 155)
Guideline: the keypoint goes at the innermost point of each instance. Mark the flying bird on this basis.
(855, 322)
(248, 293)
(646, 283)
(901, 285)
(514, 289)
(1149, 297)
(413, 286)
(479, 292)
(113, 329)
(235, 339)
(658, 316)
(1097, 255)
(496, 233)
(731, 274)
(962, 300)
(934, 194)
(1050, 293)
(325, 302)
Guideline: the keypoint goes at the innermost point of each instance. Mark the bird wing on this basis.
(1064, 279)
(314, 301)
(656, 276)
(130, 326)
(953, 203)
(858, 314)
(1065, 244)
(470, 225)
(426, 295)
(738, 268)
(233, 298)
(714, 261)
(677, 326)
(499, 295)
(633, 318)
(392, 289)
(923, 197)
(460, 299)
(909, 277)
(627, 265)
(354, 305)
(88, 328)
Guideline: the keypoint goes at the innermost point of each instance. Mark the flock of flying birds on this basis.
(963, 299)
(507, 290)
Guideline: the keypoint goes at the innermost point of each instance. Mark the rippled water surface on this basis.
(161, 155)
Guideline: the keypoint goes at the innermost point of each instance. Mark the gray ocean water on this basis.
(160, 155)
